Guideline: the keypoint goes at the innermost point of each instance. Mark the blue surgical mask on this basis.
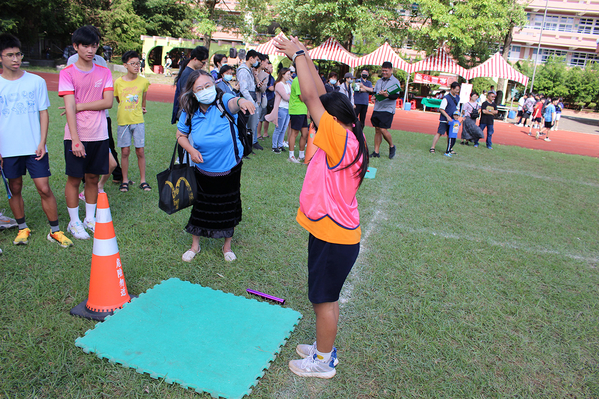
(333, 81)
(227, 78)
(255, 64)
(206, 96)
(223, 64)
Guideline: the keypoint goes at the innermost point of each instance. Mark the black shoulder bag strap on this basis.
(221, 107)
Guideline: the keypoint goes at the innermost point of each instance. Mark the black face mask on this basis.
(364, 76)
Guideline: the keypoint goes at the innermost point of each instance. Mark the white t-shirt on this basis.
(21, 101)
(283, 103)
(521, 103)
(98, 60)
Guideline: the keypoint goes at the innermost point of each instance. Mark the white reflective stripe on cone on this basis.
(103, 215)
(105, 247)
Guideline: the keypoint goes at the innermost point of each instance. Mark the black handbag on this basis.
(177, 187)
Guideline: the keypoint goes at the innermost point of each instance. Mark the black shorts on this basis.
(548, 125)
(95, 161)
(520, 113)
(298, 122)
(443, 128)
(381, 119)
(270, 105)
(328, 267)
(538, 120)
(15, 167)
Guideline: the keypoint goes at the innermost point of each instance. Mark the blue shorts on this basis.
(95, 161)
(443, 128)
(15, 167)
(328, 267)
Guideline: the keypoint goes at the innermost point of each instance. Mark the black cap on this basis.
(387, 64)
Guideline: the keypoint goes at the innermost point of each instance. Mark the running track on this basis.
(426, 122)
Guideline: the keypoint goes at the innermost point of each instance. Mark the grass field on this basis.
(477, 276)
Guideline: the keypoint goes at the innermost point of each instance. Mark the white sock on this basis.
(301, 154)
(90, 212)
(291, 154)
(323, 356)
(74, 214)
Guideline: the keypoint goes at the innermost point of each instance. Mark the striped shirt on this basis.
(87, 87)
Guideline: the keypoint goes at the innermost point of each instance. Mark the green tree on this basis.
(165, 18)
(551, 77)
(366, 22)
(123, 27)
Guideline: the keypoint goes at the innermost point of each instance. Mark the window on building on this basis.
(566, 24)
(551, 22)
(514, 54)
(535, 21)
(546, 54)
(581, 59)
(588, 26)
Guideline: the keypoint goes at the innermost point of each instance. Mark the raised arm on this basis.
(305, 72)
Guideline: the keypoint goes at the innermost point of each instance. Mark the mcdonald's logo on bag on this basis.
(176, 189)
(177, 186)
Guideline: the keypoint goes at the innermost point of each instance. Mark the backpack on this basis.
(244, 134)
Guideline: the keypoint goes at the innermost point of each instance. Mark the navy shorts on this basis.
(548, 125)
(443, 128)
(15, 167)
(298, 122)
(328, 267)
(381, 119)
(538, 120)
(95, 161)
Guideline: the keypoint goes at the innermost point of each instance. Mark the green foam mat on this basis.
(370, 173)
(198, 337)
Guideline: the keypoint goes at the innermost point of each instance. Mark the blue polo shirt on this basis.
(211, 136)
(549, 110)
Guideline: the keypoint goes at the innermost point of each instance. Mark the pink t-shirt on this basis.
(87, 86)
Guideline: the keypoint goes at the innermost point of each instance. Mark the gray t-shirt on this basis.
(385, 105)
(98, 60)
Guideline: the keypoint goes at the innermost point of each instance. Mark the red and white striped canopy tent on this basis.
(331, 50)
(269, 47)
(382, 54)
(439, 62)
(497, 67)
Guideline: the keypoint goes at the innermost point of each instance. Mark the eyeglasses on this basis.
(13, 55)
(134, 64)
(199, 88)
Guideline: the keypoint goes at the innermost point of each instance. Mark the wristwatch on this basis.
(300, 52)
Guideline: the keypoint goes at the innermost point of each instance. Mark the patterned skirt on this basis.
(217, 209)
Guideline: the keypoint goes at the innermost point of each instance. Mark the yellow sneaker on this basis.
(60, 238)
(22, 237)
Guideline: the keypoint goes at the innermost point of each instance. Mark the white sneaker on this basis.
(89, 224)
(77, 230)
(312, 367)
(309, 350)
(519, 125)
(285, 144)
(292, 159)
(547, 139)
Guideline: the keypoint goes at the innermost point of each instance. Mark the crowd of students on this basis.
(88, 91)
(328, 208)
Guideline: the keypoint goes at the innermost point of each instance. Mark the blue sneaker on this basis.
(475, 145)
(312, 367)
(447, 155)
(489, 147)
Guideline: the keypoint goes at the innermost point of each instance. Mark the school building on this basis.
(571, 30)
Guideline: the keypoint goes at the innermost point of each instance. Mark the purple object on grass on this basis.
(263, 295)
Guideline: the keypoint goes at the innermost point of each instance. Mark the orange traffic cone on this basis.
(107, 287)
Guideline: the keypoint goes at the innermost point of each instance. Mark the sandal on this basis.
(145, 186)
(190, 254)
(124, 187)
(229, 256)
(453, 152)
(432, 150)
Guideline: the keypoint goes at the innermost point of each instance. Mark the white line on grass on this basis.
(521, 173)
(511, 245)
(355, 274)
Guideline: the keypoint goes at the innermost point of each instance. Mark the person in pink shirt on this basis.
(87, 91)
